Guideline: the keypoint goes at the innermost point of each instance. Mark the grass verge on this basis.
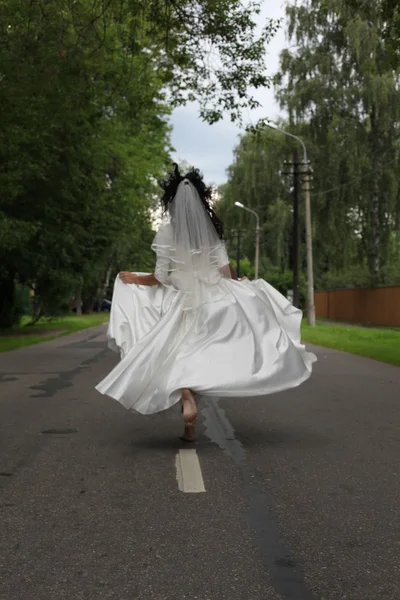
(47, 329)
(380, 344)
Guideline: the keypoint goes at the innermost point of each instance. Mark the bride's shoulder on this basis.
(163, 236)
(165, 222)
(165, 229)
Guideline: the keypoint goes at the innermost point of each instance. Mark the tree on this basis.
(340, 89)
(79, 161)
(69, 189)
(212, 52)
(255, 179)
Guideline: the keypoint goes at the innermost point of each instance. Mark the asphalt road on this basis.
(301, 501)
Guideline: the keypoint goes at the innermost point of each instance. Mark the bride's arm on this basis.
(127, 277)
(146, 280)
(233, 272)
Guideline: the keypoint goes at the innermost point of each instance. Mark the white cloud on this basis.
(210, 147)
(207, 147)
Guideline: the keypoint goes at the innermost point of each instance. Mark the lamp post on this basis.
(306, 189)
(240, 205)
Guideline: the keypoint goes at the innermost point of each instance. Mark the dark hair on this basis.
(170, 187)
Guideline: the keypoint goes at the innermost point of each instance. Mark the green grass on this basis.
(380, 344)
(47, 329)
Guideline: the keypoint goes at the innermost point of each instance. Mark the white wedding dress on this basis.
(241, 338)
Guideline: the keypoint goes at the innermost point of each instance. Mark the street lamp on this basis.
(240, 205)
(306, 189)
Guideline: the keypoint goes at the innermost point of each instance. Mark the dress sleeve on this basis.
(223, 259)
(220, 260)
(162, 246)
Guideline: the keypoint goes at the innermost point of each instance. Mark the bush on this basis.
(357, 277)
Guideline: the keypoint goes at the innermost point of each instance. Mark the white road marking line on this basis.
(188, 472)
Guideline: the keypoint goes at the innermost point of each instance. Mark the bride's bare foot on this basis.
(189, 434)
(189, 408)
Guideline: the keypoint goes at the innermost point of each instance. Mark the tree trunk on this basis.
(37, 315)
(107, 281)
(78, 301)
(88, 303)
(8, 310)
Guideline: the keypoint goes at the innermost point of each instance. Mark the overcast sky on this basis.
(210, 147)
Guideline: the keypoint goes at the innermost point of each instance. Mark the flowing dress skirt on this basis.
(243, 341)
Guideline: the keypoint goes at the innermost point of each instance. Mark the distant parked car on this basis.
(103, 306)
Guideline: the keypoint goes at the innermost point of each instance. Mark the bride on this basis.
(191, 328)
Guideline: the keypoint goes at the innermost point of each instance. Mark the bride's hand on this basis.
(127, 277)
(244, 278)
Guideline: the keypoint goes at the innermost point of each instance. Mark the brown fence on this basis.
(370, 306)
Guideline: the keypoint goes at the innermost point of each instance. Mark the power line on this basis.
(358, 178)
(354, 180)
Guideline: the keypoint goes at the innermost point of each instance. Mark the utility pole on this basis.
(296, 230)
(307, 205)
(294, 171)
(257, 257)
(310, 269)
(238, 252)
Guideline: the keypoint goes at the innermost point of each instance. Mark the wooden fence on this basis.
(369, 306)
